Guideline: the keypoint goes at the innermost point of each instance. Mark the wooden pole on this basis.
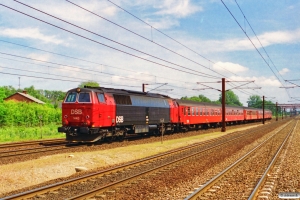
(276, 111)
(263, 107)
(223, 107)
(143, 87)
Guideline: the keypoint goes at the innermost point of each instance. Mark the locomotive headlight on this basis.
(78, 90)
(65, 122)
(66, 116)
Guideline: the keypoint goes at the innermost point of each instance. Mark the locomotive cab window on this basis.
(101, 98)
(71, 98)
(84, 97)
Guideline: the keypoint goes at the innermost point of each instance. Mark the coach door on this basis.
(100, 110)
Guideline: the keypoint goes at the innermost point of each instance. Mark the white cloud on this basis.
(42, 57)
(163, 23)
(261, 81)
(279, 37)
(266, 39)
(284, 71)
(228, 66)
(32, 33)
(178, 8)
(70, 12)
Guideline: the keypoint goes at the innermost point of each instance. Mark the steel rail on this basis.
(102, 189)
(197, 193)
(20, 152)
(17, 144)
(270, 167)
(42, 190)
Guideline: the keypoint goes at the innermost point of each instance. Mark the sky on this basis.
(177, 47)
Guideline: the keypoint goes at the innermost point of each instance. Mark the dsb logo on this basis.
(119, 119)
(76, 111)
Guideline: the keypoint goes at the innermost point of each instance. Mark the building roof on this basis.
(28, 97)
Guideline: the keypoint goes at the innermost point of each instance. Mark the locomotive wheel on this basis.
(110, 139)
(122, 137)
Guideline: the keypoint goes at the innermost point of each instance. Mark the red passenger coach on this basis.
(234, 114)
(250, 114)
(198, 114)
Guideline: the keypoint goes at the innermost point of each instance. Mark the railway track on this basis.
(265, 186)
(246, 178)
(107, 182)
(22, 152)
(36, 142)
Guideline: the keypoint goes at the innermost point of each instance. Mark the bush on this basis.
(28, 114)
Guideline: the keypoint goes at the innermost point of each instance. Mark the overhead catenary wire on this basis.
(147, 38)
(161, 33)
(152, 27)
(166, 78)
(83, 36)
(251, 41)
(203, 74)
(259, 42)
(258, 39)
(64, 65)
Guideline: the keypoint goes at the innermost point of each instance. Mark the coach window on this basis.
(193, 112)
(189, 111)
(184, 109)
(101, 98)
(71, 98)
(197, 111)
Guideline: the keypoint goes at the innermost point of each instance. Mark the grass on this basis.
(23, 133)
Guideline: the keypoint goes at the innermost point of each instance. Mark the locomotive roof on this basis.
(124, 92)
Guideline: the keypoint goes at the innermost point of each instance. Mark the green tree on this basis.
(231, 98)
(200, 98)
(8, 90)
(39, 94)
(254, 101)
(2, 95)
(89, 83)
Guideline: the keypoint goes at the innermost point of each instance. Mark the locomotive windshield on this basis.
(83, 97)
(71, 98)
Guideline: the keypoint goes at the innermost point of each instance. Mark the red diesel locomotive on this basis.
(95, 113)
